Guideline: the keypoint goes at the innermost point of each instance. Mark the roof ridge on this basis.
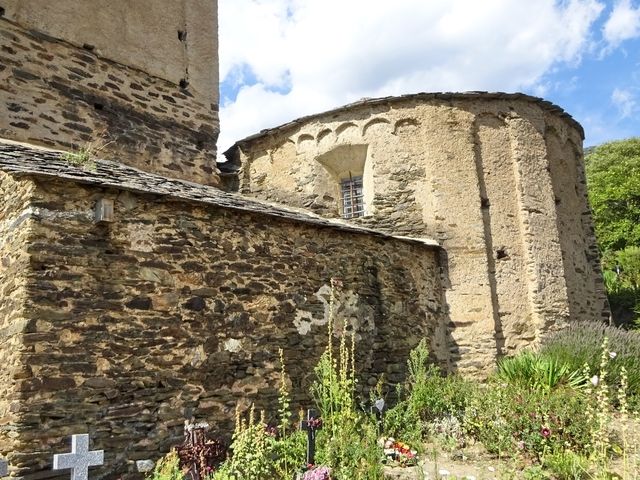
(19, 159)
(545, 104)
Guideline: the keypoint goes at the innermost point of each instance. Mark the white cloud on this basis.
(625, 102)
(623, 24)
(253, 32)
(324, 53)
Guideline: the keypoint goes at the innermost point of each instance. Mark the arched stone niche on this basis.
(347, 161)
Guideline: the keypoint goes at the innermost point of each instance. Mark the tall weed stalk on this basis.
(348, 441)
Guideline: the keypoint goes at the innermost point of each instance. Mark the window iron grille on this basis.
(352, 197)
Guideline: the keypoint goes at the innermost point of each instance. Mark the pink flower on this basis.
(317, 473)
(545, 432)
(315, 423)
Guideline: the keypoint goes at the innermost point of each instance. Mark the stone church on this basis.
(142, 284)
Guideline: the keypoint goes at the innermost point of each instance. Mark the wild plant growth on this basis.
(580, 344)
(85, 156)
(563, 420)
(260, 451)
(348, 441)
(428, 401)
(540, 372)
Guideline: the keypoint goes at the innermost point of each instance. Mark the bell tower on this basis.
(136, 82)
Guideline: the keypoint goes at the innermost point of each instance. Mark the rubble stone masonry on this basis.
(177, 308)
(476, 234)
(14, 262)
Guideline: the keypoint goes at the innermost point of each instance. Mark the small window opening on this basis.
(347, 178)
(352, 197)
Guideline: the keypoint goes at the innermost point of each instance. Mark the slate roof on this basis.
(423, 96)
(19, 159)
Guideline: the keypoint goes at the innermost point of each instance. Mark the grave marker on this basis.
(311, 425)
(80, 458)
(379, 405)
(199, 454)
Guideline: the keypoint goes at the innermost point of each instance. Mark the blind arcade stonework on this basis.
(155, 286)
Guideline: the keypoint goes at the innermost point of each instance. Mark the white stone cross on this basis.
(4, 468)
(80, 458)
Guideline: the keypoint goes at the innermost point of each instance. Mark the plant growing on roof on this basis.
(86, 155)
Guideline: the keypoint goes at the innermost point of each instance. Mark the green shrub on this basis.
(259, 452)
(426, 399)
(288, 446)
(251, 446)
(167, 468)
(404, 423)
(264, 452)
(435, 396)
(567, 465)
(535, 472)
(350, 448)
(511, 419)
(613, 170)
(347, 442)
(538, 371)
(581, 343)
(621, 273)
(288, 454)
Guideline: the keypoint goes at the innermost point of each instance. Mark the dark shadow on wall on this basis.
(443, 338)
(485, 206)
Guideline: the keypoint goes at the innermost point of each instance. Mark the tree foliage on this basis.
(613, 176)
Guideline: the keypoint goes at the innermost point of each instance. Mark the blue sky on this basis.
(602, 91)
(281, 59)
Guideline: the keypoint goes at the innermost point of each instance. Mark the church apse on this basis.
(476, 171)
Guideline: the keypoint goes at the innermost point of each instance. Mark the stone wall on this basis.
(581, 256)
(14, 261)
(496, 178)
(138, 324)
(78, 90)
(170, 39)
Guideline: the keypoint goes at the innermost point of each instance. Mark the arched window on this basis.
(348, 166)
